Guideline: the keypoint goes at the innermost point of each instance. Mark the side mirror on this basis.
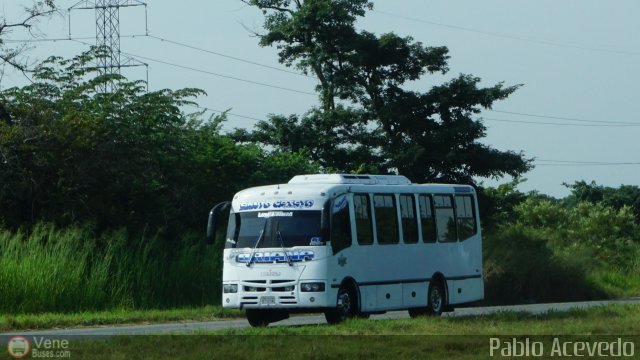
(213, 215)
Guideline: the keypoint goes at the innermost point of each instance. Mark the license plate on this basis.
(268, 300)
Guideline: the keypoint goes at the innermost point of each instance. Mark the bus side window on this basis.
(445, 218)
(340, 224)
(426, 218)
(465, 215)
(364, 225)
(386, 218)
(409, 219)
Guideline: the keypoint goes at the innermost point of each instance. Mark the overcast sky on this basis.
(576, 59)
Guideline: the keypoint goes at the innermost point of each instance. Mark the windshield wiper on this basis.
(279, 235)
(260, 237)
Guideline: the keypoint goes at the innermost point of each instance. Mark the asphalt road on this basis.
(191, 327)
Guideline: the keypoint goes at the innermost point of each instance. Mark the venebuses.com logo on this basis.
(18, 347)
(34, 347)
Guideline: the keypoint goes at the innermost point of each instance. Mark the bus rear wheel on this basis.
(346, 306)
(417, 312)
(437, 300)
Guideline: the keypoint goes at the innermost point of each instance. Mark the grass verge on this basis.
(467, 337)
(605, 320)
(115, 317)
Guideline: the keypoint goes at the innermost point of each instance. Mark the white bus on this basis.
(350, 245)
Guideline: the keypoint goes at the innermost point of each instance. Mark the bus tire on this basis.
(346, 306)
(257, 318)
(264, 317)
(436, 298)
(417, 312)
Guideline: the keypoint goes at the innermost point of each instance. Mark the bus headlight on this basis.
(230, 288)
(312, 287)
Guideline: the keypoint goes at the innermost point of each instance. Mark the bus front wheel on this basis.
(257, 318)
(346, 306)
(262, 318)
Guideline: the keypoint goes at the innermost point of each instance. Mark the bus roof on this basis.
(322, 185)
(309, 192)
(350, 179)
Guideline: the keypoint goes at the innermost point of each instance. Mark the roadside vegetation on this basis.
(74, 269)
(540, 249)
(113, 317)
(604, 320)
(432, 338)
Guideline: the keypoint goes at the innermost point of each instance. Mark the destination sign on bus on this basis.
(268, 214)
(280, 205)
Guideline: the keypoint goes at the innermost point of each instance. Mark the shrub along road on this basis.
(199, 327)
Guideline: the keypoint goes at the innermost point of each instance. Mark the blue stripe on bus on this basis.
(411, 281)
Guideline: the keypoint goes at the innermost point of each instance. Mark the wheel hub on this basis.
(436, 299)
(344, 303)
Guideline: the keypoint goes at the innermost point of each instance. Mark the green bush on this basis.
(521, 267)
(553, 252)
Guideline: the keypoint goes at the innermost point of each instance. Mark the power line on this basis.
(593, 123)
(587, 162)
(546, 162)
(557, 124)
(516, 121)
(576, 165)
(223, 112)
(565, 118)
(220, 75)
(62, 39)
(212, 73)
(171, 42)
(592, 164)
(509, 36)
(229, 56)
(598, 123)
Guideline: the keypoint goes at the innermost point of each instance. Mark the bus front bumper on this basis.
(270, 297)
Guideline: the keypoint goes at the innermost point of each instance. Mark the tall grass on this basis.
(75, 269)
(553, 253)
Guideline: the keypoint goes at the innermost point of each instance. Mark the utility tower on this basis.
(108, 35)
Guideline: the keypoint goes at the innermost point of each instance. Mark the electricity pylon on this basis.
(108, 35)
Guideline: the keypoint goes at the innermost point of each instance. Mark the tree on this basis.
(625, 195)
(337, 140)
(9, 55)
(428, 136)
(129, 158)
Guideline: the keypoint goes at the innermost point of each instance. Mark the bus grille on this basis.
(265, 287)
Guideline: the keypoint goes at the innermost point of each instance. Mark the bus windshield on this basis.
(274, 229)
